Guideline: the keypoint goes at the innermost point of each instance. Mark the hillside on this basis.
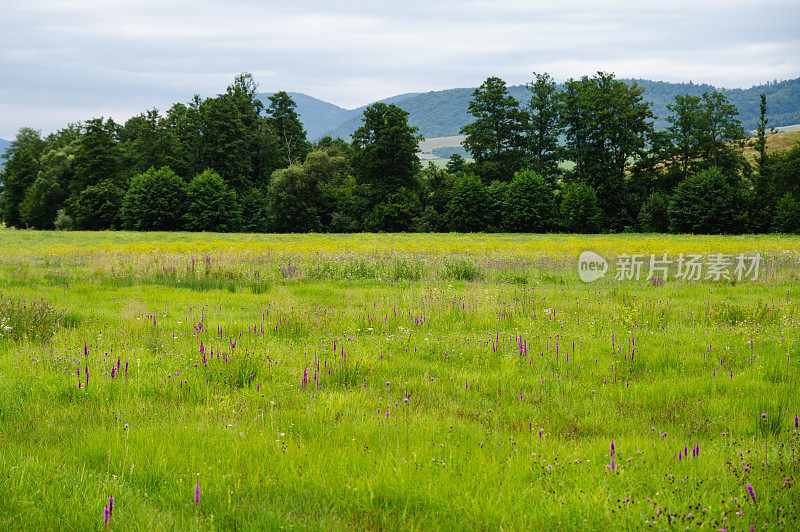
(444, 113)
(777, 142)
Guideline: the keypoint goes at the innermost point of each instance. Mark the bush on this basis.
(787, 215)
(530, 204)
(399, 212)
(255, 211)
(653, 216)
(98, 206)
(467, 210)
(705, 203)
(212, 205)
(579, 210)
(63, 221)
(40, 205)
(155, 201)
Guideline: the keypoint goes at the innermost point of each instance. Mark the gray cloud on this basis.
(68, 60)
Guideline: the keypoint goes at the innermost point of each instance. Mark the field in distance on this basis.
(210, 381)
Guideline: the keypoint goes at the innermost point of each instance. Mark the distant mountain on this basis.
(320, 117)
(4, 144)
(444, 113)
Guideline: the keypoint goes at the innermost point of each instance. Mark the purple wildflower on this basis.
(197, 490)
(751, 491)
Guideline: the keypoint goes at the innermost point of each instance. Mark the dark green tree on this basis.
(763, 200)
(20, 171)
(155, 201)
(98, 206)
(723, 136)
(302, 197)
(530, 204)
(785, 167)
(686, 123)
(653, 216)
(45, 197)
(294, 200)
(98, 156)
(227, 144)
(455, 164)
(438, 185)
(468, 208)
(579, 209)
(255, 211)
(287, 128)
(544, 127)
(607, 125)
(385, 151)
(149, 141)
(496, 139)
(211, 205)
(706, 203)
(706, 134)
(184, 123)
(787, 215)
(399, 212)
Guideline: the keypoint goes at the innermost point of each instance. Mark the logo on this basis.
(591, 266)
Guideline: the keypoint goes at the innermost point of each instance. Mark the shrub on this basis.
(212, 205)
(155, 201)
(530, 204)
(399, 212)
(467, 210)
(63, 221)
(579, 210)
(705, 203)
(255, 211)
(98, 206)
(653, 216)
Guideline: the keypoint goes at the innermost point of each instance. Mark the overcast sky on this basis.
(68, 60)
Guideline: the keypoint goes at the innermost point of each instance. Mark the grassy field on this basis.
(209, 381)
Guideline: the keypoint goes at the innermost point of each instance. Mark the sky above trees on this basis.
(67, 60)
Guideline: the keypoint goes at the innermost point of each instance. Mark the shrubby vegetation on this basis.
(581, 157)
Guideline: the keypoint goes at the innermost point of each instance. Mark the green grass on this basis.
(518, 378)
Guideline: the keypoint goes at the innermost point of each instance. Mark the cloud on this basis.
(69, 60)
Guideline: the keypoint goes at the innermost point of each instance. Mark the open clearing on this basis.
(210, 381)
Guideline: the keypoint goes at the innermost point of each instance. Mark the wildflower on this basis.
(197, 490)
(751, 491)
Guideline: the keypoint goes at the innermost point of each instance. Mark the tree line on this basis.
(583, 157)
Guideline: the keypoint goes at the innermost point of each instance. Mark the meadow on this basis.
(422, 382)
